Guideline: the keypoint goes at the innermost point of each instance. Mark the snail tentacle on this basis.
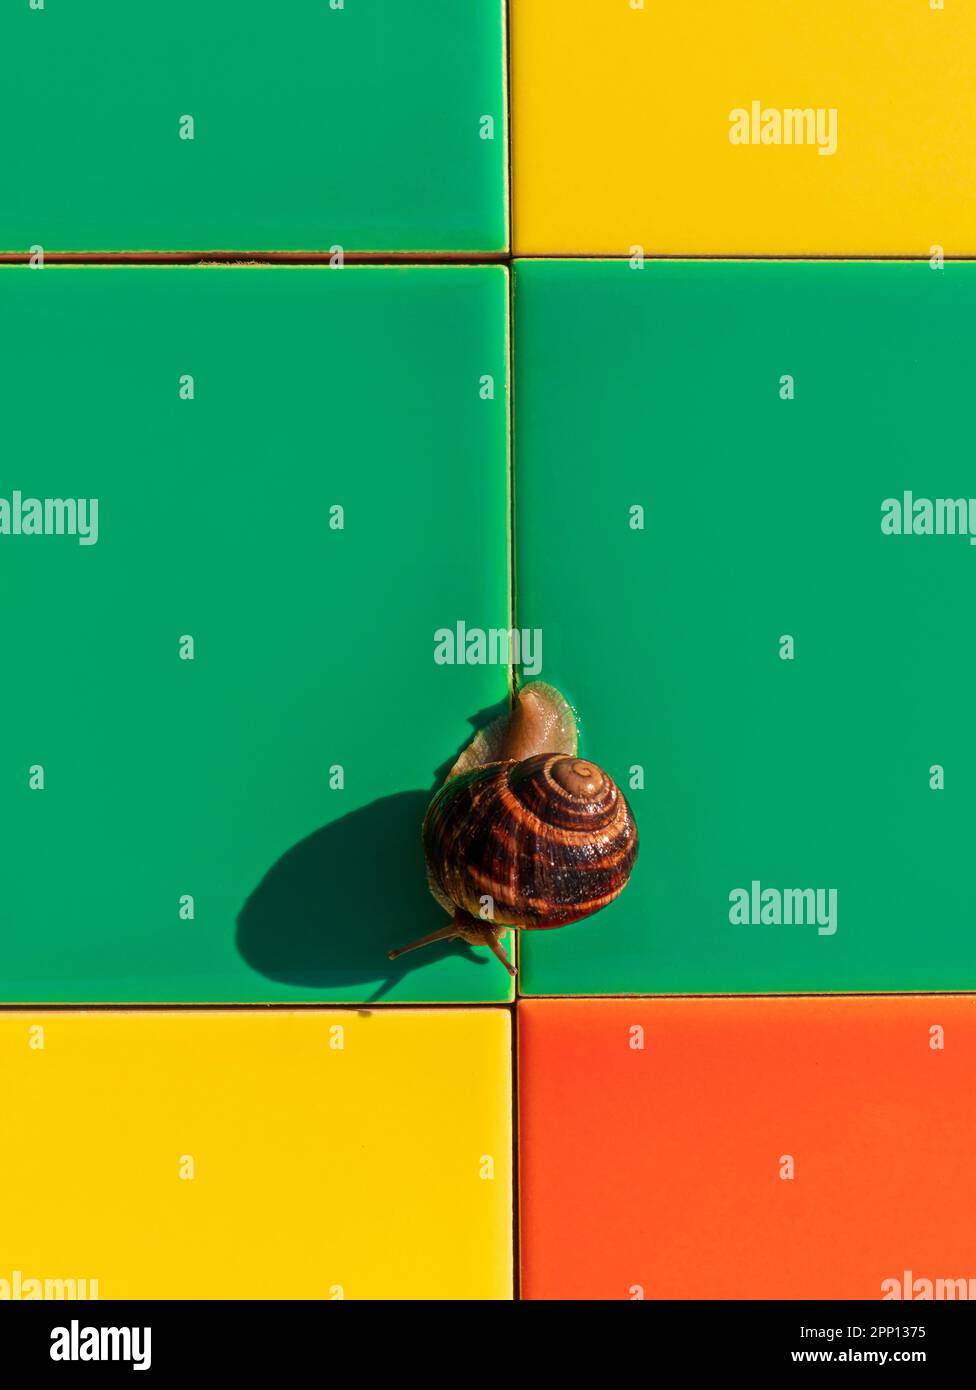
(447, 933)
(497, 949)
(466, 928)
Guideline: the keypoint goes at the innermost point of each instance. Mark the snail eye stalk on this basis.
(448, 933)
(497, 949)
(468, 929)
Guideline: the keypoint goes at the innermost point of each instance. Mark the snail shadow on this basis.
(327, 912)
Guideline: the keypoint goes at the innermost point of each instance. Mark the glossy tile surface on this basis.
(314, 1155)
(791, 683)
(238, 820)
(751, 1148)
(315, 124)
(625, 116)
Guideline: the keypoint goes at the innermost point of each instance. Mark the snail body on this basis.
(524, 833)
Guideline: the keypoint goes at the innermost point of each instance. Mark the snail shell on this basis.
(549, 838)
(521, 820)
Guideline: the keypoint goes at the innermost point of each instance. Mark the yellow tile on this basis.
(324, 1163)
(622, 126)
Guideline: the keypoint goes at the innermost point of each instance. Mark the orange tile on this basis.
(655, 1137)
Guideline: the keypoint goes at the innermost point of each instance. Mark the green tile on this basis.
(313, 646)
(661, 388)
(312, 126)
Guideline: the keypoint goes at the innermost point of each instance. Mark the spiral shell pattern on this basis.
(550, 840)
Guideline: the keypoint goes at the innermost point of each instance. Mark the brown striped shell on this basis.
(550, 840)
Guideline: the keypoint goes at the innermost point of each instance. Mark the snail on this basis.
(524, 833)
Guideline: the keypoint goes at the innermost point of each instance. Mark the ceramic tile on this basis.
(790, 681)
(239, 125)
(314, 1155)
(746, 129)
(223, 717)
(744, 1149)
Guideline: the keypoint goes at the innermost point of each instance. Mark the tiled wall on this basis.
(646, 327)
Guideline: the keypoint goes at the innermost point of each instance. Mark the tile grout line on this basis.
(242, 259)
(279, 1006)
(434, 1006)
(512, 613)
(652, 998)
(250, 260)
